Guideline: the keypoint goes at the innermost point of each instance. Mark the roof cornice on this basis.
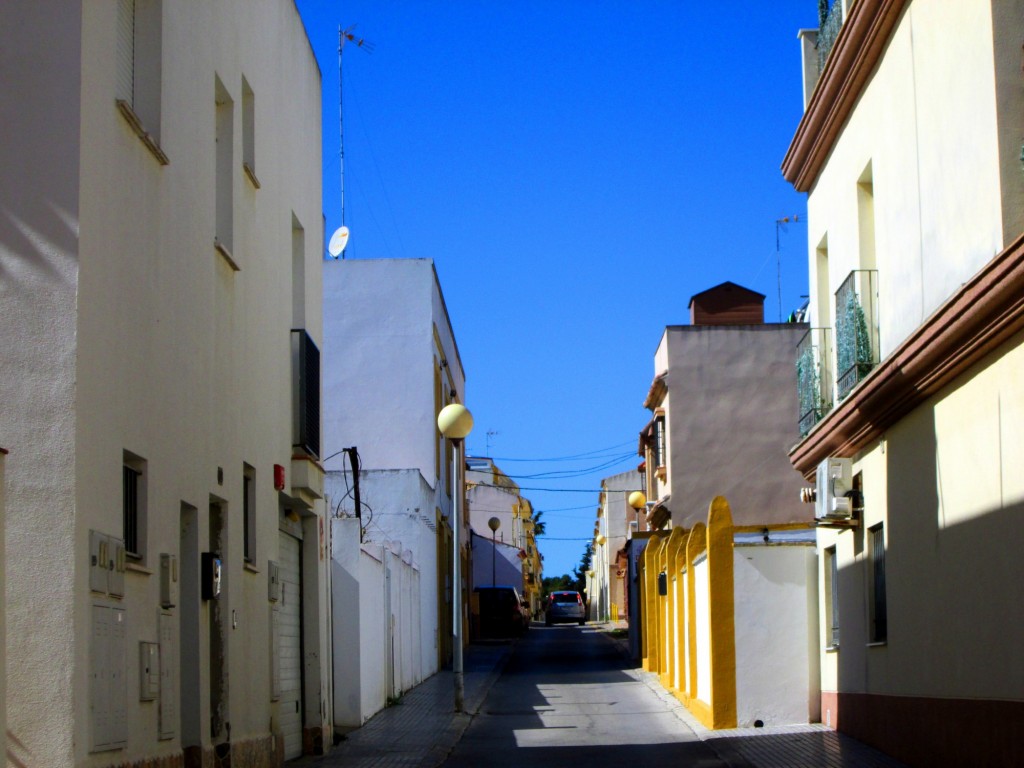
(983, 314)
(857, 50)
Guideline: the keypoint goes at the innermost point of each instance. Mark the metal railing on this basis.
(813, 377)
(830, 21)
(856, 329)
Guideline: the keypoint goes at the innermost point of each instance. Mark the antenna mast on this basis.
(340, 238)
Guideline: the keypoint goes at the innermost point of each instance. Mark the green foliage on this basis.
(853, 343)
(556, 584)
(580, 571)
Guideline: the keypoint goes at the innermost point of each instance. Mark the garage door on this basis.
(289, 645)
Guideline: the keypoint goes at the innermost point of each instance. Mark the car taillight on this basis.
(579, 600)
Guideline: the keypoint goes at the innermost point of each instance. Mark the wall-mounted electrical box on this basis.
(149, 671)
(106, 564)
(168, 580)
(662, 583)
(273, 582)
(210, 578)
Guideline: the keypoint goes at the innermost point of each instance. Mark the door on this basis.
(289, 646)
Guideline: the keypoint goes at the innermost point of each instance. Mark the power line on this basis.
(565, 473)
(589, 455)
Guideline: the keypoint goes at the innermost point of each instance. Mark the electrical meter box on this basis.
(168, 580)
(273, 582)
(149, 671)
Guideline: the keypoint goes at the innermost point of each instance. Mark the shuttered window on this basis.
(879, 619)
(126, 51)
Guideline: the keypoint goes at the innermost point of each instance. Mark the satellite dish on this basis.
(338, 242)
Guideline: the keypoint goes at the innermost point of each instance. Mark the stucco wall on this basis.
(39, 225)
(731, 422)
(776, 648)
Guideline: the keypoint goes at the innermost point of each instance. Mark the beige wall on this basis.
(731, 421)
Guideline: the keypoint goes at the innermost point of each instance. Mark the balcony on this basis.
(830, 21)
(813, 378)
(305, 394)
(856, 329)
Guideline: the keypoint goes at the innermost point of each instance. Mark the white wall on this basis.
(399, 513)
(378, 367)
(775, 646)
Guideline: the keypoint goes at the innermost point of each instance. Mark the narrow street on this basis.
(566, 696)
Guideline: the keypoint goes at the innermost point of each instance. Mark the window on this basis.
(659, 442)
(139, 38)
(832, 598)
(249, 513)
(249, 133)
(133, 505)
(224, 165)
(878, 627)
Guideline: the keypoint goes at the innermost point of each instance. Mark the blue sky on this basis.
(577, 171)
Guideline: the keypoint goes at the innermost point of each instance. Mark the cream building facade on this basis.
(910, 151)
(160, 249)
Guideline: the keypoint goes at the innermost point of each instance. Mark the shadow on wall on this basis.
(954, 619)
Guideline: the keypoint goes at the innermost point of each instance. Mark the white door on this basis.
(289, 646)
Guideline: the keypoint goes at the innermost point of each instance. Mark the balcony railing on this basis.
(813, 378)
(830, 21)
(856, 329)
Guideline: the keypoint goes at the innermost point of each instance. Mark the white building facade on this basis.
(391, 365)
(160, 243)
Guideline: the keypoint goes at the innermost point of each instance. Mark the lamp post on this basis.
(455, 422)
(494, 524)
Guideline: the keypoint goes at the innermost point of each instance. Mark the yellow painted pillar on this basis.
(651, 622)
(695, 544)
(670, 654)
(722, 608)
(677, 596)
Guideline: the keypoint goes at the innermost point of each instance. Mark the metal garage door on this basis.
(289, 645)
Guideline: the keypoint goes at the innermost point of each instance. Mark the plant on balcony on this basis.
(808, 384)
(853, 344)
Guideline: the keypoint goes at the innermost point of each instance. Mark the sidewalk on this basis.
(785, 746)
(422, 728)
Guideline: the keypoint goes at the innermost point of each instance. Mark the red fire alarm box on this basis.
(278, 477)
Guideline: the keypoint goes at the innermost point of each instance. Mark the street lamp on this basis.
(637, 500)
(455, 422)
(494, 524)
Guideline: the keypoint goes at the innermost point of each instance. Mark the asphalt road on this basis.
(565, 698)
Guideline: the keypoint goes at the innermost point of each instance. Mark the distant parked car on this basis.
(565, 606)
(501, 612)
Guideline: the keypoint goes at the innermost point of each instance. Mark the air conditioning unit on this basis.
(834, 483)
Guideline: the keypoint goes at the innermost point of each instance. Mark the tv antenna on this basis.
(780, 224)
(339, 239)
(490, 433)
